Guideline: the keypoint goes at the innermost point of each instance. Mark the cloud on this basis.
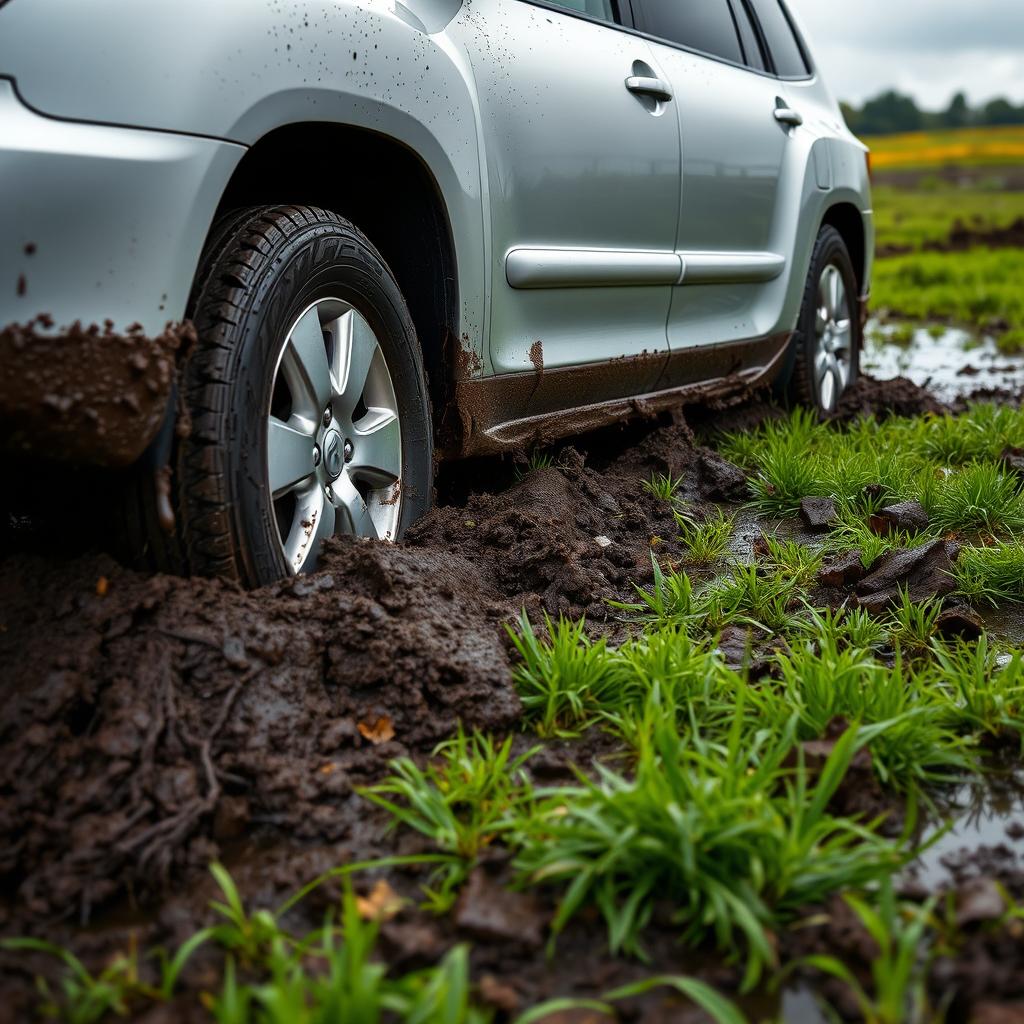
(929, 48)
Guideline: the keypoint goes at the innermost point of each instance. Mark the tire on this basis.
(825, 357)
(284, 295)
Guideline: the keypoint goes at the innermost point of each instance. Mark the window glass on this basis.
(786, 52)
(704, 25)
(601, 9)
(748, 36)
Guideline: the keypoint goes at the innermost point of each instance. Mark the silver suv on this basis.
(411, 229)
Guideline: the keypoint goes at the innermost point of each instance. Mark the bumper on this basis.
(102, 223)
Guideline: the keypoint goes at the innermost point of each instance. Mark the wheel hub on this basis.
(335, 454)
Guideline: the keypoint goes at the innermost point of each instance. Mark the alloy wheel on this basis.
(833, 326)
(334, 441)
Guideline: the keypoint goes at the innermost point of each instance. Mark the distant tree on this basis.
(958, 113)
(1001, 111)
(890, 112)
(851, 115)
(893, 112)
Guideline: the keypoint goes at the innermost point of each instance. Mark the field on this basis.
(718, 718)
(951, 233)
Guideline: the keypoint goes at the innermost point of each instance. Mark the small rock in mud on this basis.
(846, 570)
(740, 648)
(904, 516)
(924, 572)
(1013, 460)
(960, 622)
(997, 1013)
(818, 514)
(978, 901)
(488, 911)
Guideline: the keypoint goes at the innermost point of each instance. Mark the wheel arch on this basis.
(847, 220)
(388, 191)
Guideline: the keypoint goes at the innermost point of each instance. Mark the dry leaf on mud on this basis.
(102, 586)
(381, 905)
(377, 730)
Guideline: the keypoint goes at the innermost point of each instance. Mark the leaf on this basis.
(378, 730)
(382, 904)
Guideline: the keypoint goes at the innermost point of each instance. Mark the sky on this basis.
(930, 49)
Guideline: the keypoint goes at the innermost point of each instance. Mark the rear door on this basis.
(582, 174)
(734, 154)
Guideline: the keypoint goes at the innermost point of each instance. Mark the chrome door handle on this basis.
(654, 87)
(786, 115)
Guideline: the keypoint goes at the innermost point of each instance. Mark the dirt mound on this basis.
(173, 714)
(568, 538)
(884, 398)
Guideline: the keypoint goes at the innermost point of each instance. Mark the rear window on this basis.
(705, 25)
(748, 36)
(778, 33)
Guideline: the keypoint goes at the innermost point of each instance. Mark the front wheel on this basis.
(309, 403)
(827, 342)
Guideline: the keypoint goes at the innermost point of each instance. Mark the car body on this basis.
(581, 210)
(586, 215)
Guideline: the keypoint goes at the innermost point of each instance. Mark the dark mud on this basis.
(153, 724)
(85, 394)
(963, 236)
(884, 398)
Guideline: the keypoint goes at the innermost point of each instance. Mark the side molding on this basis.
(611, 268)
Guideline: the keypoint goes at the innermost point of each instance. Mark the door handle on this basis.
(788, 116)
(640, 85)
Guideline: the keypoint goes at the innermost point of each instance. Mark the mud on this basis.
(85, 394)
(176, 714)
(541, 543)
(153, 724)
(897, 396)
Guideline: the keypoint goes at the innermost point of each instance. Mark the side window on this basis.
(748, 37)
(704, 25)
(778, 33)
(603, 10)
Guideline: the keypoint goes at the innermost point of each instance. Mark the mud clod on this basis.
(924, 572)
(903, 517)
(818, 514)
(85, 395)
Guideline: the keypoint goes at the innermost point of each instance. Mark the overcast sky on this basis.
(928, 48)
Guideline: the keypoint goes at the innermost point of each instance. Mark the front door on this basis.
(582, 177)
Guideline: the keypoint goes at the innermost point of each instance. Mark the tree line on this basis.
(893, 112)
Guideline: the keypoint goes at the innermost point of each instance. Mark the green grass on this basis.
(979, 288)
(949, 463)
(462, 800)
(730, 839)
(905, 217)
(705, 540)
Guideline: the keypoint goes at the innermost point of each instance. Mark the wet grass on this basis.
(928, 215)
(948, 463)
(979, 288)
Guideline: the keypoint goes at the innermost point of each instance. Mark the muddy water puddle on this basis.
(978, 814)
(951, 364)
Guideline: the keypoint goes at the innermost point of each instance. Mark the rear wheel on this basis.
(827, 342)
(308, 399)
